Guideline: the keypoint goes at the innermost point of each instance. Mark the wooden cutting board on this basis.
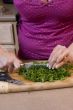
(27, 85)
(68, 82)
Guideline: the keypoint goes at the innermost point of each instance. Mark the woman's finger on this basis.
(10, 68)
(55, 56)
(58, 65)
(17, 63)
(53, 52)
(64, 61)
(63, 56)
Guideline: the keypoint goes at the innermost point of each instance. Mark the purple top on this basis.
(43, 26)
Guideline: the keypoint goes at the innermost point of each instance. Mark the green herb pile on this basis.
(41, 73)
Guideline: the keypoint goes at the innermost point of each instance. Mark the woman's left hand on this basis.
(59, 56)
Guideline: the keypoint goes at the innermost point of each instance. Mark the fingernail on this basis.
(53, 68)
(49, 66)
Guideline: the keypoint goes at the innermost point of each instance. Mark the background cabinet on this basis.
(8, 31)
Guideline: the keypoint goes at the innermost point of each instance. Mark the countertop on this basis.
(58, 99)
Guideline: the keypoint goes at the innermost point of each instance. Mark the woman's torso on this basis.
(43, 26)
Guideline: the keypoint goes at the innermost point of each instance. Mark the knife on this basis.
(4, 76)
(29, 64)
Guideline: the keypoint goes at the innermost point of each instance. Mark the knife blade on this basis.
(29, 64)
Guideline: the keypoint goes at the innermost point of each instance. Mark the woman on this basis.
(45, 31)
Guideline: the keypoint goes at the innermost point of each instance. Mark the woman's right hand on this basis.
(8, 60)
